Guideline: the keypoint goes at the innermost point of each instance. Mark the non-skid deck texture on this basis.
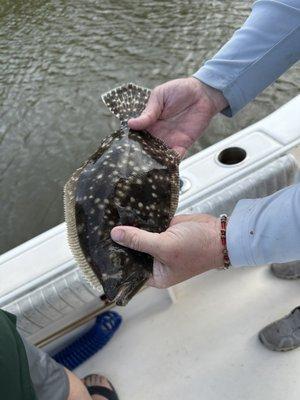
(206, 345)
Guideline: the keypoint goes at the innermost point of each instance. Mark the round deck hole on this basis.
(181, 183)
(184, 185)
(103, 297)
(232, 155)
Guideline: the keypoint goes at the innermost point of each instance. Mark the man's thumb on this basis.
(149, 116)
(136, 239)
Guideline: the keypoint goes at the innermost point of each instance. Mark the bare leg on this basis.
(77, 389)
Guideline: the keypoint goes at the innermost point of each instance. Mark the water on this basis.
(57, 57)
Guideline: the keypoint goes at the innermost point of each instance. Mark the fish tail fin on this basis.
(126, 101)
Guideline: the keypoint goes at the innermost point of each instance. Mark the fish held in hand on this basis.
(132, 179)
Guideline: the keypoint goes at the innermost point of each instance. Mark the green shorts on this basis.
(15, 379)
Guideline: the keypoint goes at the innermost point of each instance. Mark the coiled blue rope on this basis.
(88, 344)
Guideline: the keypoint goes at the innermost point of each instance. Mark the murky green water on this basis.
(57, 57)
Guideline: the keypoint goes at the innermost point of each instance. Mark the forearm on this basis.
(267, 230)
(266, 45)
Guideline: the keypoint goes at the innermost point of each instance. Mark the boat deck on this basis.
(205, 346)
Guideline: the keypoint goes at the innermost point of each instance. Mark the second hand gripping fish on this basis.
(132, 179)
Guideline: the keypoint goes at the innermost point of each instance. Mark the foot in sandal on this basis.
(100, 387)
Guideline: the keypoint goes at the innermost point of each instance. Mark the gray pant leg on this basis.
(49, 378)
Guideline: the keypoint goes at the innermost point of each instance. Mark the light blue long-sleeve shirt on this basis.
(264, 230)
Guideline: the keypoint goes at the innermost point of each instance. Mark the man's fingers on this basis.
(180, 150)
(151, 113)
(161, 276)
(137, 239)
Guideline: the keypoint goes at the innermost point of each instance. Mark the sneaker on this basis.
(289, 270)
(284, 334)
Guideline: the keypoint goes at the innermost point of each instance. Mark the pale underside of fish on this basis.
(132, 179)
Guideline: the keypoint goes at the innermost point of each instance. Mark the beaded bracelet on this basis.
(224, 218)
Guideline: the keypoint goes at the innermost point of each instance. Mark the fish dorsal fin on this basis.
(126, 101)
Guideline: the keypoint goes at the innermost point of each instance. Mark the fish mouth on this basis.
(128, 290)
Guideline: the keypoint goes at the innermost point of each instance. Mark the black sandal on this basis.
(109, 394)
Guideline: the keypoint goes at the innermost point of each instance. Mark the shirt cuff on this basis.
(233, 95)
(240, 233)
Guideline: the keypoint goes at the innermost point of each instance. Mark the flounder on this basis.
(131, 179)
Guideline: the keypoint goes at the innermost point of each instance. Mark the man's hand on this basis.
(190, 246)
(179, 111)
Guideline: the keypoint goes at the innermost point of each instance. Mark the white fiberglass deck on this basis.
(206, 345)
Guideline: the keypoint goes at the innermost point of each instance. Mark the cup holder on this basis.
(232, 156)
(184, 185)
